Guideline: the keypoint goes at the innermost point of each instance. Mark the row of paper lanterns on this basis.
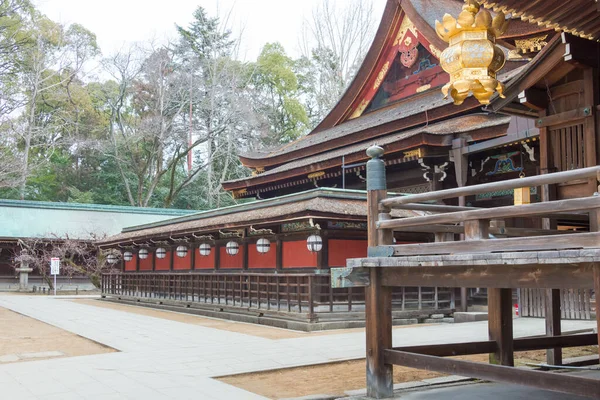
(314, 243)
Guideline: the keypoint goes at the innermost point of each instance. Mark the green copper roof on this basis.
(92, 207)
(35, 219)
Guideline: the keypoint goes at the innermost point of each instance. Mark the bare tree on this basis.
(172, 101)
(334, 42)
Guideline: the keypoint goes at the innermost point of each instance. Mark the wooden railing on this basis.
(533, 260)
(309, 294)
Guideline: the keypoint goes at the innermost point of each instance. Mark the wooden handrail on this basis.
(558, 242)
(537, 180)
(527, 210)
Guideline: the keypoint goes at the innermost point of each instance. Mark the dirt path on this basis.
(266, 332)
(25, 339)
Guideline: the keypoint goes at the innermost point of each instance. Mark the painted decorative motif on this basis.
(381, 75)
(409, 57)
(315, 175)
(239, 193)
(407, 47)
(231, 234)
(437, 53)
(502, 193)
(414, 153)
(504, 164)
(296, 226)
(531, 44)
(347, 225)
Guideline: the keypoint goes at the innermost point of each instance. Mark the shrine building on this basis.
(269, 259)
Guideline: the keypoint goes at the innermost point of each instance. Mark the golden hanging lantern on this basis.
(472, 58)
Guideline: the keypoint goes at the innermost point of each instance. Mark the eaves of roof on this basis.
(242, 213)
(458, 125)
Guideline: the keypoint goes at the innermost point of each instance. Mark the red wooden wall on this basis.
(204, 262)
(296, 255)
(180, 263)
(163, 264)
(262, 260)
(146, 264)
(340, 250)
(131, 265)
(231, 262)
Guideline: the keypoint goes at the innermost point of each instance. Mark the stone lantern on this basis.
(24, 271)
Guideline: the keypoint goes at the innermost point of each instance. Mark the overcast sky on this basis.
(119, 22)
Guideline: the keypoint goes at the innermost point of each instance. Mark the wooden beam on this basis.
(561, 276)
(541, 343)
(537, 243)
(563, 383)
(490, 346)
(537, 180)
(565, 117)
(580, 52)
(452, 349)
(534, 99)
(526, 210)
(519, 232)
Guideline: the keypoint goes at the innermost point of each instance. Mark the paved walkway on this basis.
(162, 359)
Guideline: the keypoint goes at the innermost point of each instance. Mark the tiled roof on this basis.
(411, 106)
(449, 127)
(337, 203)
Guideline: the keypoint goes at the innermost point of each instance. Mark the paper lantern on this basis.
(204, 249)
(143, 254)
(161, 252)
(263, 245)
(232, 248)
(314, 243)
(181, 251)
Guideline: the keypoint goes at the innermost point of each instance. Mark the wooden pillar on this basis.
(500, 322)
(378, 298)
(245, 250)
(595, 227)
(553, 356)
(323, 255)
(597, 292)
(461, 168)
(553, 317)
(500, 325)
(279, 253)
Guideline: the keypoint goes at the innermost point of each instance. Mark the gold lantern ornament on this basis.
(472, 58)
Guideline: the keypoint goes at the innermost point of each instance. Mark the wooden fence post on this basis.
(499, 304)
(378, 298)
(595, 227)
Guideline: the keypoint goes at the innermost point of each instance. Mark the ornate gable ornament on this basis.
(472, 58)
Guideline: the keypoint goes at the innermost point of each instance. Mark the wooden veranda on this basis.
(568, 260)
